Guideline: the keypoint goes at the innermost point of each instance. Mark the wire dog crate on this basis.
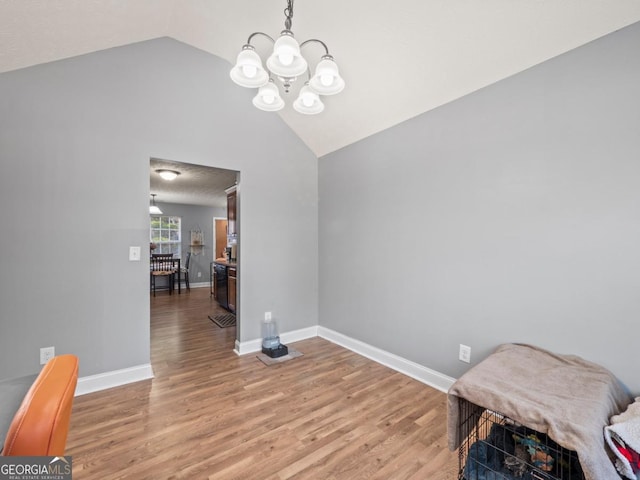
(498, 448)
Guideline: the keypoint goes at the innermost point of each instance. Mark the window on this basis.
(165, 232)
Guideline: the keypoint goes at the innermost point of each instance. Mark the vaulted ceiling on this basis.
(399, 58)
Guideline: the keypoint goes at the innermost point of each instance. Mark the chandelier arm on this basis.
(326, 49)
(260, 33)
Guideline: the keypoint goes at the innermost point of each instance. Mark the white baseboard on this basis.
(183, 286)
(252, 346)
(437, 380)
(414, 370)
(297, 335)
(115, 378)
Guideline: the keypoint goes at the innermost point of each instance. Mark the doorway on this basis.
(220, 236)
(197, 196)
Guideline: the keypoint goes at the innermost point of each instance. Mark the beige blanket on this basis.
(563, 396)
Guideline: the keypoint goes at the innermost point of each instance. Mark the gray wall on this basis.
(75, 141)
(510, 215)
(194, 217)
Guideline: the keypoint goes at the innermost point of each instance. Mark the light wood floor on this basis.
(209, 414)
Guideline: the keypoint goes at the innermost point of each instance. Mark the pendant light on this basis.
(286, 63)
(153, 208)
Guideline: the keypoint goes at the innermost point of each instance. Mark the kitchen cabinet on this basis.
(221, 284)
(232, 230)
(213, 281)
(224, 284)
(232, 288)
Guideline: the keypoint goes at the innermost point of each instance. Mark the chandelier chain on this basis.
(288, 12)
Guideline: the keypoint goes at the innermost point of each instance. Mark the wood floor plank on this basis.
(210, 414)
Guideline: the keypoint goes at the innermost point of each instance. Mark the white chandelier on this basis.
(286, 63)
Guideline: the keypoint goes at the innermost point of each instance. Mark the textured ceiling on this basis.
(196, 185)
(399, 59)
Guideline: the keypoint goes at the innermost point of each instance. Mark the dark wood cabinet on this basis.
(232, 242)
(232, 288)
(231, 212)
(224, 284)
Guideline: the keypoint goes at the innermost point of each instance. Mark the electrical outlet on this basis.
(46, 354)
(465, 353)
(199, 274)
(267, 315)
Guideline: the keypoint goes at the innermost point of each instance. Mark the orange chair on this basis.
(41, 424)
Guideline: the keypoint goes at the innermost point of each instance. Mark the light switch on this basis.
(134, 254)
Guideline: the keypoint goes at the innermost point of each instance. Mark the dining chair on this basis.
(162, 265)
(185, 271)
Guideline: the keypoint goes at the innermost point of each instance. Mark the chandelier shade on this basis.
(327, 79)
(285, 64)
(308, 102)
(268, 98)
(248, 71)
(286, 61)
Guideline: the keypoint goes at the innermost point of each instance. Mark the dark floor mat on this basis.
(224, 320)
